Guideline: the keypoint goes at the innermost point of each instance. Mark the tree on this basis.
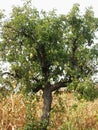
(48, 51)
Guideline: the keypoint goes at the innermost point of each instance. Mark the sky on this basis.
(62, 6)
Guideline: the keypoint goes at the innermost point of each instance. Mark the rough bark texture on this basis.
(47, 101)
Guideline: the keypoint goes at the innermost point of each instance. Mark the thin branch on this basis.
(15, 76)
(35, 90)
(21, 31)
(8, 73)
(61, 84)
(58, 86)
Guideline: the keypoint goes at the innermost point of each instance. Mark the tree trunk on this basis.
(47, 101)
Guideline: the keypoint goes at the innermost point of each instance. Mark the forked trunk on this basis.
(47, 101)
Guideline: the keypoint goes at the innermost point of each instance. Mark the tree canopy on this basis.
(49, 51)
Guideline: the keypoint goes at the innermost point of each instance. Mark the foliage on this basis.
(84, 89)
(87, 90)
(43, 46)
(47, 51)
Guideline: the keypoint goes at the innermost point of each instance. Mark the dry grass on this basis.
(12, 113)
(72, 114)
(67, 113)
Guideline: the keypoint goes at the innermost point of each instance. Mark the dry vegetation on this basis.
(67, 112)
(12, 113)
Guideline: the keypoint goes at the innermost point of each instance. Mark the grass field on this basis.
(68, 113)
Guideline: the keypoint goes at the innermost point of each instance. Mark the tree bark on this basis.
(47, 101)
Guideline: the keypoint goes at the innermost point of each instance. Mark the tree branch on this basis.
(35, 90)
(58, 86)
(8, 73)
(22, 31)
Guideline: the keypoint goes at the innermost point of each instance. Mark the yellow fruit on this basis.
(31, 55)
